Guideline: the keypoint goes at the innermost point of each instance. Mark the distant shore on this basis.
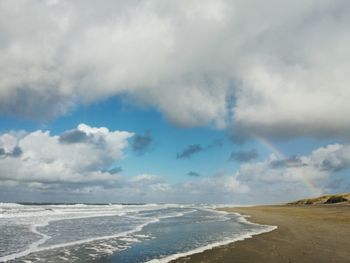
(310, 234)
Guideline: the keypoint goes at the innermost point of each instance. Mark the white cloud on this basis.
(333, 157)
(286, 65)
(44, 158)
(217, 184)
(155, 188)
(76, 163)
(301, 176)
(148, 183)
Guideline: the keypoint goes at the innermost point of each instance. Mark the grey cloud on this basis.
(197, 148)
(141, 188)
(193, 174)
(319, 168)
(141, 143)
(252, 182)
(338, 184)
(332, 158)
(115, 170)
(73, 136)
(228, 76)
(16, 152)
(293, 161)
(244, 156)
(215, 143)
(40, 104)
(190, 150)
(278, 164)
(238, 135)
(328, 165)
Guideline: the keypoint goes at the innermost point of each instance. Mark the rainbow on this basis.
(310, 185)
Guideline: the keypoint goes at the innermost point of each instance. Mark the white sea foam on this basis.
(32, 247)
(5, 205)
(21, 211)
(243, 219)
(179, 214)
(44, 216)
(243, 236)
(35, 246)
(40, 216)
(60, 214)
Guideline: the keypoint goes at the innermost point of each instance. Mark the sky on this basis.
(234, 102)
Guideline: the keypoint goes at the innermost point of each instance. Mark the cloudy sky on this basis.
(174, 101)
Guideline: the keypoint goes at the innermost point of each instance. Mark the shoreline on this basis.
(199, 250)
(312, 234)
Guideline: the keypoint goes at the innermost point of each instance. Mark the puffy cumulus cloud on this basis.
(255, 182)
(332, 158)
(305, 175)
(81, 163)
(272, 68)
(267, 172)
(42, 160)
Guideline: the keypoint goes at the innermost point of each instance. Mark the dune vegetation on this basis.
(325, 199)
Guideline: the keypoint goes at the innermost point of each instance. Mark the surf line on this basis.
(32, 247)
(35, 246)
(243, 236)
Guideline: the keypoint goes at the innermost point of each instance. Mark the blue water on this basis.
(115, 233)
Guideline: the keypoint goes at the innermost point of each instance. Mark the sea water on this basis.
(114, 232)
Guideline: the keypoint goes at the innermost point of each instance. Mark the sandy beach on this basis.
(312, 234)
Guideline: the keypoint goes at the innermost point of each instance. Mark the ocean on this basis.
(115, 232)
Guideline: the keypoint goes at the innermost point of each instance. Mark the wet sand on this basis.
(312, 234)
